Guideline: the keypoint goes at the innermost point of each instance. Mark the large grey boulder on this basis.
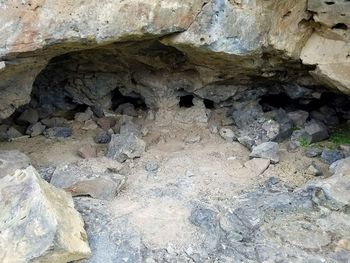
(38, 223)
(316, 130)
(125, 146)
(266, 150)
(10, 161)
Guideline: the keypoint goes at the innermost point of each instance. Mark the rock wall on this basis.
(193, 44)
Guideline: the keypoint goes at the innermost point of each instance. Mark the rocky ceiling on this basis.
(156, 47)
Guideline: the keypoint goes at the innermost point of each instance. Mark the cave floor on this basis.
(182, 210)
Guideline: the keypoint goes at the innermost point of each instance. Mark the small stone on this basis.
(314, 170)
(84, 116)
(331, 156)
(36, 129)
(87, 151)
(312, 152)
(152, 166)
(227, 134)
(191, 139)
(298, 117)
(317, 131)
(266, 150)
(89, 125)
(29, 116)
(102, 137)
(98, 111)
(257, 165)
(125, 146)
(106, 123)
(58, 132)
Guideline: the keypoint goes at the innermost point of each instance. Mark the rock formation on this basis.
(159, 47)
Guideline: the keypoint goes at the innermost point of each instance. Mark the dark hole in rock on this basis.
(133, 98)
(340, 26)
(186, 101)
(329, 2)
(209, 104)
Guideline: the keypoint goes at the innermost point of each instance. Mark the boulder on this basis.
(317, 131)
(38, 221)
(266, 150)
(314, 170)
(331, 156)
(125, 146)
(285, 124)
(13, 160)
(298, 117)
(35, 129)
(257, 165)
(29, 116)
(312, 152)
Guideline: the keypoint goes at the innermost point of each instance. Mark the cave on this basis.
(174, 131)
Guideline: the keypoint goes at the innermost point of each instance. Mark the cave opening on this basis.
(186, 101)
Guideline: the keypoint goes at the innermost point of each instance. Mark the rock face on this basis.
(38, 223)
(158, 47)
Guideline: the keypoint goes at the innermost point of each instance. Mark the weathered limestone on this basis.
(38, 223)
(219, 44)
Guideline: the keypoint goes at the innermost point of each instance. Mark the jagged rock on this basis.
(285, 124)
(314, 170)
(87, 151)
(29, 116)
(266, 150)
(84, 116)
(106, 123)
(272, 129)
(246, 141)
(89, 125)
(298, 117)
(82, 179)
(257, 165)
(312, 152)
(316, 130)
(102, 137)
(227, 134)
(10, 161)
(331, 156)
(301, 138)
(13, 133)
(245, 113)
(125, 146)
(35, 129)
(38, 221)
(58, 132)
(327, 115)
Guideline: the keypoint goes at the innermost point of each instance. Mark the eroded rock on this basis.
(38, 221)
